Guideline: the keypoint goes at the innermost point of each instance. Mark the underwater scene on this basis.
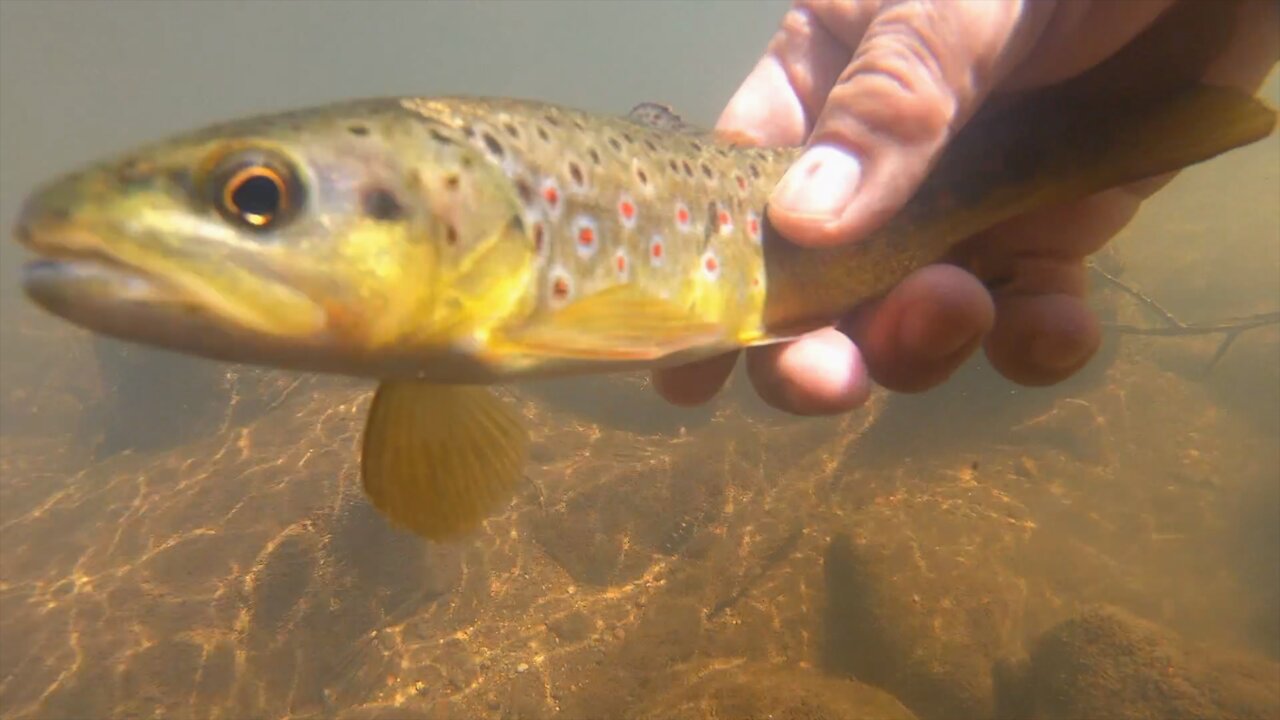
(187, 538)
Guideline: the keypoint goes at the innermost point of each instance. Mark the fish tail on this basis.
(1181, 130)
(1027, 156)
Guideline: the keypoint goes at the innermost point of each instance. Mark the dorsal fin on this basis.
(662, 117)
(658, 116)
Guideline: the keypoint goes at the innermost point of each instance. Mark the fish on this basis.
(443, 245)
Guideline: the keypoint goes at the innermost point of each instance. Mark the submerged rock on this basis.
(1106, 663)
(755, 690)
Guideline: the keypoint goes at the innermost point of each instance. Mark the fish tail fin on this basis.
(1030, 154)
(1060, 155)
(1183, 129)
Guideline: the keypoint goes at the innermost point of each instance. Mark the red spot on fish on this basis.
(754, 229)
(550, 191)
(755, 281)
(742, 182)
(710, 265)
(620, 264)
(656, 250)
(682, 215)
(584, 230)
(627, 209)
(560, 288)
(722, 219)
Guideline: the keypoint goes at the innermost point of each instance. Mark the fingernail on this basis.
(820, 184)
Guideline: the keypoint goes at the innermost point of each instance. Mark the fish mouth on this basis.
(203, 304)
(74, 268)
(59, 283)
(75, 277)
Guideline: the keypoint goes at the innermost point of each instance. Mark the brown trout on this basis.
(442, 244)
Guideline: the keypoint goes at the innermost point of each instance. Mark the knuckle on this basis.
(837, 9)
(843, 19)
(895, 85)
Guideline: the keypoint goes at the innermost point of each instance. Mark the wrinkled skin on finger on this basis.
(875, 89)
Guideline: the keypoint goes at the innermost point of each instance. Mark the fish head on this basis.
(358, 239)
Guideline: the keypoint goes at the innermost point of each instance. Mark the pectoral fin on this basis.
(621, 323)
(438, 459)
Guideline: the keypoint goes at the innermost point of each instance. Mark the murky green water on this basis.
(183, 539)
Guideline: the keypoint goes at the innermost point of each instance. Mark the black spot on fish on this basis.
(538, 236)
(649, 144)
(494, 146)
(359, 130)
(595, 155)
(575, 172)
(134, 173)
(552, 120)
(413, 183)
(578, 124)
(613, 143)
(688, 171)
(711, 226)
(707, 172)
(642, 176)
(182, 179)
(628, 138)
(517, 223)
(525, 190)
(755, 171)
(697, 146)
(512, 130)
(381, 204)
(674, 167)
(452, 182)
(451, 234)
(722, 152)
(469, 131)
(440, 137)
(543, 135)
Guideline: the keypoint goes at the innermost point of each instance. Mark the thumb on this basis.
(918, 72)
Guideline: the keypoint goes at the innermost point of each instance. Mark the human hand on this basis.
(877, 88)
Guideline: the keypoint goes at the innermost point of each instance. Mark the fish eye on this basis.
(257, 191)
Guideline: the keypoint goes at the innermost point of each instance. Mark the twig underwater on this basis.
(1231, 327)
